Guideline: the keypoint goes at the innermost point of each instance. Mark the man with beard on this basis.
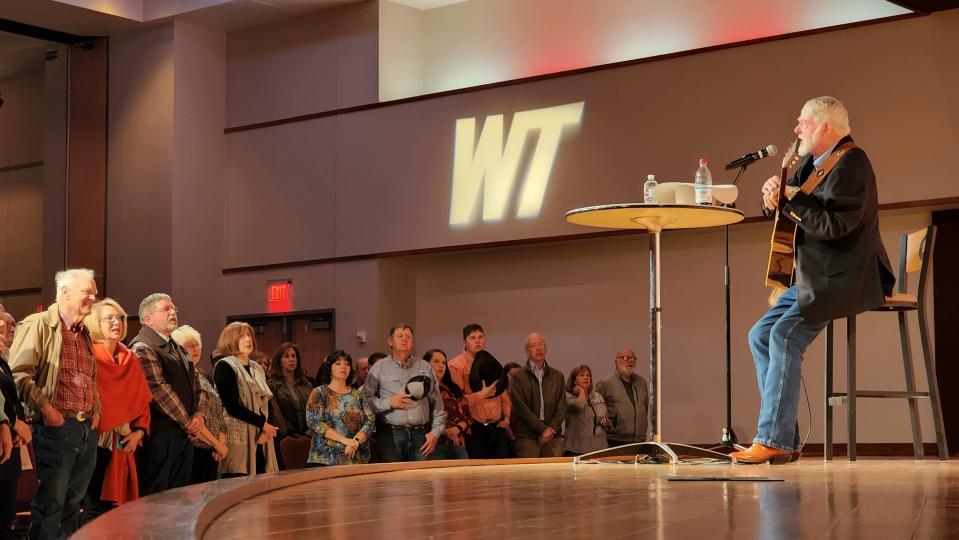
(179, 406)
(52, 363)
(627, 400)
(841, 267)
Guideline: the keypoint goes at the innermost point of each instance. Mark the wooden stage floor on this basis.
(880, 499)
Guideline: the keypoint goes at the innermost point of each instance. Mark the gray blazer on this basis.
(631, 424)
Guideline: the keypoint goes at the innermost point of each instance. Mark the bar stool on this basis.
(915, 253)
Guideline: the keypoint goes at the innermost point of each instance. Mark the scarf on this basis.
(125, 399)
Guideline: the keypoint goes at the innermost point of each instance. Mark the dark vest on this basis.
(175, 374)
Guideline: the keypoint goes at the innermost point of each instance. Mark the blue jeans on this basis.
(445, 451)
(778, 341)
(398, 444)
(66, 456)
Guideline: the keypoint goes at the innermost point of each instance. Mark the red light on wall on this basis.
(279, 290)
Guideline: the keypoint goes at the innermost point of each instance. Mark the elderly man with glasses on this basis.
(179, 405)
(627, 399)
(52, 363)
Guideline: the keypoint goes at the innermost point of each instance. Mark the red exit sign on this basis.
(279, 290)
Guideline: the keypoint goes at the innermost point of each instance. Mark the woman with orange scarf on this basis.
(125, 417)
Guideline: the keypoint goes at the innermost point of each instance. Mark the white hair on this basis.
(65, 278)
(831, 111)
(146, 306)
(186, 333)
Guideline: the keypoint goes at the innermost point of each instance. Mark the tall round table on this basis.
(655, 218)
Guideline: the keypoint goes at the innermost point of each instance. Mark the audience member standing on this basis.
(125, 415)
(362, 367)
(489, 407)
(539, 404)
(13, 422)
(405, 396)
(179, 406)
(586, 420)
(7, 326)
(452, 444)
(340, 419)
(627, 396)
(291, 389)
(246, 396)
(205, 458)
(265, 360)
(53, 366)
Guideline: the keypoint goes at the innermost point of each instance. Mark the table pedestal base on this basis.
(676, 452)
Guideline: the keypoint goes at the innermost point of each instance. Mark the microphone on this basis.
(755, 156)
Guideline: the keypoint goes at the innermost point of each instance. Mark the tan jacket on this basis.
(35, 359)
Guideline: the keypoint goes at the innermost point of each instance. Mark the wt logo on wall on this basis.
(490, 167)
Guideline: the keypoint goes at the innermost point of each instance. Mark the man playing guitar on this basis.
(841, 267)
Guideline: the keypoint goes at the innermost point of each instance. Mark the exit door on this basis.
(312, 331)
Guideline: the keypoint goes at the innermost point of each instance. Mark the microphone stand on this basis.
(729, 439)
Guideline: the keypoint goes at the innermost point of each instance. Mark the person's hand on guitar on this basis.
(771, 193)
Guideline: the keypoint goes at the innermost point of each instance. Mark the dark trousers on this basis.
(8, 505)
(164, 462)
(66, 457)
(9, 474)
(612, 443)
(398, 444)
(93, 506)
(446, 451)
(205, 468)
(487, 442)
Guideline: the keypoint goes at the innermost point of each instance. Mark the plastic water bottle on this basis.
(648, 189)
(704, 184)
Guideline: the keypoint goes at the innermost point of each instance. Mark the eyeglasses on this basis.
(112, 319)
(621, 357)
(167, 309)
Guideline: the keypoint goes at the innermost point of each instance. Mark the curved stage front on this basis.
(540, 498)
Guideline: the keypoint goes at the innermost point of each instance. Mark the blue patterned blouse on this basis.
(348, 414)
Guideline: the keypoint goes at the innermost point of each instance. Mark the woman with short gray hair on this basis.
(205, 457)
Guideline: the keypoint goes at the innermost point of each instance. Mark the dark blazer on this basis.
(524, 392)
(841, 265)
(14, 410)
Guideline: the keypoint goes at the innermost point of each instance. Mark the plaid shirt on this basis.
(164, 398)
(75, 385)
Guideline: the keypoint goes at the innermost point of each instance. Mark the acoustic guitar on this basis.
(782, 246)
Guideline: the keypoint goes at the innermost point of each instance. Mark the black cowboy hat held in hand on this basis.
(487, 369)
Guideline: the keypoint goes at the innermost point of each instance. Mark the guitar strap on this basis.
(818, 175)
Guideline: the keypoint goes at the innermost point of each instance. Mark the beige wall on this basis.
(402, 51)
(21, 190)
(650, 118)
(165, 170)
(140, 165)
(326, 60)
(199, 151)
(472, 43)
